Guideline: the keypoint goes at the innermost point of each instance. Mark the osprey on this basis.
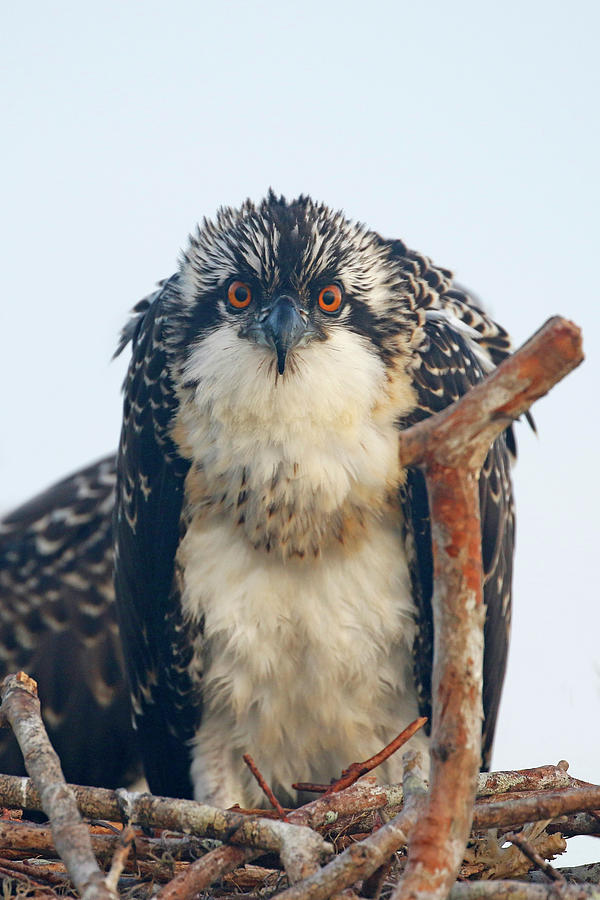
(273, 561)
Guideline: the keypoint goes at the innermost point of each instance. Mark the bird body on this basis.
(310, 640)
(273, 559)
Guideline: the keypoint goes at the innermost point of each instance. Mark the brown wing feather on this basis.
(59, 624)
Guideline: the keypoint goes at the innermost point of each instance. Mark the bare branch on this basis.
(521, 890)
(540, 805)
(21, 707)
(482, 414)
(125, 844)
(451, 447)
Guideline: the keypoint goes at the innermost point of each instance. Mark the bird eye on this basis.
(330, 298)
(239, 294)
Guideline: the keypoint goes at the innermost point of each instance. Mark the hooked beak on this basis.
(283, 328)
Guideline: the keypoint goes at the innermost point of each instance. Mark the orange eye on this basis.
(330, 298)
(239, 294)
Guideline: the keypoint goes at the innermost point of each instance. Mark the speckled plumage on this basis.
(58, 623)
(273, 561)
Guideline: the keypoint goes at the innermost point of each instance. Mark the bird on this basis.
(273, 559)
(59, 624)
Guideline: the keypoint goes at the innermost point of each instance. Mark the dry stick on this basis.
(537, 779)
(126, 840)
(37, 872)
(451, 448)
(21, 707)
(359, 861)
(362, 797)
(575, 825)
(323, 811)
(528, 850)
(298, 859)
(165, 812)
(30, 838)
(202, 873)
(521, 890)
(535, 808)
(357, 769)
(413, 785)
(265, 787)
(40, 890)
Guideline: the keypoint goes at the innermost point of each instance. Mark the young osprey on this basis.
(273, 560)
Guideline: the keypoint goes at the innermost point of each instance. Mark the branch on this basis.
(451, 448)
(542, 805)
(21, 708)
(519, 890)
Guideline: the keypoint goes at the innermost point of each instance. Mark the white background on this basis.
(468, 129)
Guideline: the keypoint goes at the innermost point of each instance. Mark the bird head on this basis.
(282, 277)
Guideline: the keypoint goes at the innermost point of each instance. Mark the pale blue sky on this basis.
(468, 129)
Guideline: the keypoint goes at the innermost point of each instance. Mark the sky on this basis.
(469, 130)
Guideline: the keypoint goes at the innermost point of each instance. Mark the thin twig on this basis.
(521, 890)
(42, 891)
(357, 769)
(536, 807)
(126, 842)
(265, 787)
(47, 873)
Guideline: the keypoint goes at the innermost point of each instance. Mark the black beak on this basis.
(283, 328)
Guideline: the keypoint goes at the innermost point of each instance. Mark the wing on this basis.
(59, 624)
(157, 643)
(460, 346)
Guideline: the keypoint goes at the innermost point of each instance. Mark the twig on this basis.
(265, 787)
(477, 419)
(521, 890)
(28, 837)
(21, 707)
(42, 891)
(356, 862)
(540, 778)
(47, 873)
(126, 842)
(528, 850)
(357, 769)
(202, 873)
(373, 884)
(575, 825)
(540, 805)
(589, 873)
(319, 813)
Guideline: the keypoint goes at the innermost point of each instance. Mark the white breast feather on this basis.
(306, 662)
